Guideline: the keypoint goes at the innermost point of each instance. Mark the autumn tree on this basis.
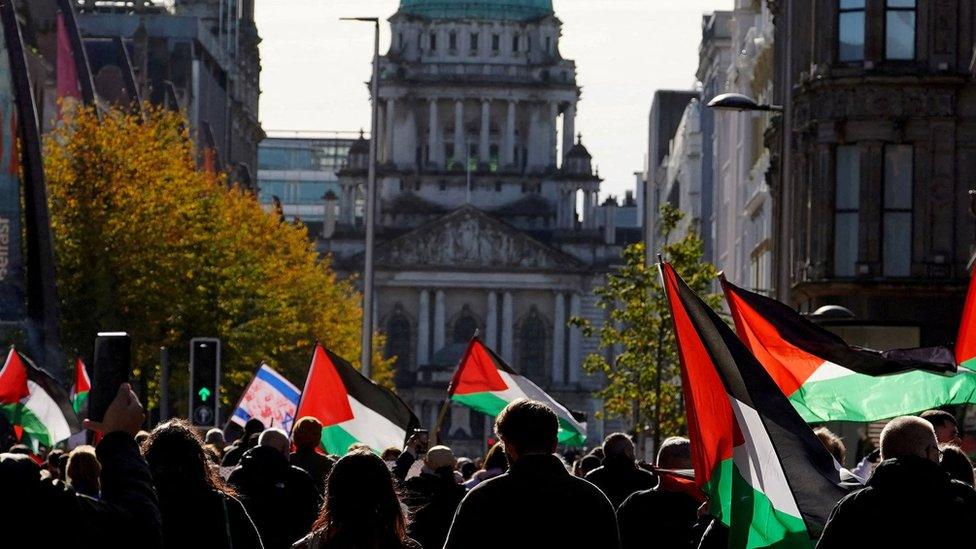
(643, 381)
(148, 243)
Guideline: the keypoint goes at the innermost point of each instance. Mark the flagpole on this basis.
(440, 419)
(447, 401)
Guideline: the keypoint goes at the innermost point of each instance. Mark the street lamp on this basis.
(739, 102)
(370, 216)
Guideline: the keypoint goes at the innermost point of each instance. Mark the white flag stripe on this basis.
(47, 411)
(371, 428)
(519, 387)
(829, 370)
(758, 463)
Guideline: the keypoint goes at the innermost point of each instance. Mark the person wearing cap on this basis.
(433, 497)
(307, 438)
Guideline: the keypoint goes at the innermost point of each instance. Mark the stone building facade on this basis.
(879, 133)
(488, 218)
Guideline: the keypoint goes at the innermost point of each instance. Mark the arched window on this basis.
(398, 338)
(532, 346)
(464, 326)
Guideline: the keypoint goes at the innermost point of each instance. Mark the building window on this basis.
(465, 326)
(400, 41)
(847, 207)
(496, 43)
(851, 35)
(433, 41)
(452, 41)
(897, 217)
(532, 346)
(442, 185)
(900, 30)
(398, 338)
(474, 43)
(515, 43)
(498, 186)
(549, 44)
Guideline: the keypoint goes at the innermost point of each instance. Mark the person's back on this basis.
(436, 497)
(537, 502)
(667, 513)
(619, 476)
(306, 438)
(280, 498)
(908, 502)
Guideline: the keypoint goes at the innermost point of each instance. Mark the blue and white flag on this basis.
(270, 398)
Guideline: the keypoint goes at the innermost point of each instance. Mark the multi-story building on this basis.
(199, 56)
(298, 173)
(742, 206)
(488, 217)
(667, 109)
(879, 141)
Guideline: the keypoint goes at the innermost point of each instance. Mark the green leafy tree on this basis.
(148, 243)
(643, 381)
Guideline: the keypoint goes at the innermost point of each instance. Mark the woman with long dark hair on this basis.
(361, 510)
(198, 508)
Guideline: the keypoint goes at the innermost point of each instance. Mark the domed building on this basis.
(488, 215)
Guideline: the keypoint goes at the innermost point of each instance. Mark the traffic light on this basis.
(204, 381)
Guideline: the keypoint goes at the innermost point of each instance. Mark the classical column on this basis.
(459, 139)
(589, 209)
(508, 146)
(423, 329)
(575, 340)
(439, 321)
(434, 146)
(390, 128)
(491, 321)
(508, 325)
(347, 205)
(484, 146)
(559, 340)
(552, 128)
(569, 128)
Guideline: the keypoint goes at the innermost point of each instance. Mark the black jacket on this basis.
(908, 502)
(207, 518)
(537, 503)
(315, 464)
(668, 518)
(281, 498)
(50, 514)
(619, 477)
(432, 500)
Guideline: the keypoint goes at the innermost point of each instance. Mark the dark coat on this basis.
(619, 478)
(668, 518)
(281, 498)
(315, 464)
(432, 500)
(908, 502)
(208, 519)
(50, 514)
(537, 503)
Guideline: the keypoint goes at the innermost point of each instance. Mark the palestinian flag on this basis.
(35, 402)
(80, 389)
(351, 407)
(828, 380)
(966, 340)
(484, 383)
(768, 477)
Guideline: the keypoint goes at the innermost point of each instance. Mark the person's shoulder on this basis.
(962, 492)
(595, 473)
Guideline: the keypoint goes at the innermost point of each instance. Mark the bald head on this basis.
(618, 445)
(909, 436)
(275, 438)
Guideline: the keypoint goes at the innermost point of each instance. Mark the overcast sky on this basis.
(315, 67)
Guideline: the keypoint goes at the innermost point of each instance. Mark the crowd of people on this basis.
(172, 488)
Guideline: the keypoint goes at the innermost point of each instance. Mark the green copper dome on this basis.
(508, 10)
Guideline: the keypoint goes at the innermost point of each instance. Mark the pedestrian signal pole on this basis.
(204, 381)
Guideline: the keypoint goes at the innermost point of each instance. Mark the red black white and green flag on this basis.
(80, 389)
(828, 380)
(34, 402)
(484, 383)
(768, 477)
(351, 407)
(966, 340)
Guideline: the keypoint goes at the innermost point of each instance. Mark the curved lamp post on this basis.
(739, 102)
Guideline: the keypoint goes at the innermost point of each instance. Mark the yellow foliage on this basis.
(149, 244)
